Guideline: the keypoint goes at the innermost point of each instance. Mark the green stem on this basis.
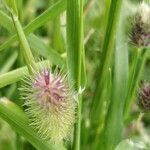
(139, 60)
(108, 47)
(28, 57)
(75, 58)
(79, 111)
(77, 132)
(113, 129)
(14, 76)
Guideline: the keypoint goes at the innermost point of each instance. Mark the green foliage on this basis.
(19, 121)
(92, 41)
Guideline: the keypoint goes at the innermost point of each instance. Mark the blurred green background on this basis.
(53, 36)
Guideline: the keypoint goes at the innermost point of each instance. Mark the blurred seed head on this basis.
(144, 13)
(144, 97)
(50, 103)
(141, 29)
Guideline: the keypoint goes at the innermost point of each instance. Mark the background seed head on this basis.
(141, 28)
(144, 97)
(50, 102)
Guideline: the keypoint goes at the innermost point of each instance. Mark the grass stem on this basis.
(75, 56)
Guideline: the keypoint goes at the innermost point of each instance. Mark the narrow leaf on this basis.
(11, 113)
(50, 13)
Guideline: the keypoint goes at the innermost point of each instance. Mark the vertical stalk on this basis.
(139, 60)
(75, 56)
(113, 130)
(108, 46)
(26, 51)
(57, 38)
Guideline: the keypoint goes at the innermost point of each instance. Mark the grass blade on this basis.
(108, 47)
(50, 13)
(26, 51)
(11, 113)
(35, 43)
(75, 56)
(113, 129)
(46, 51)
(5, 19)
(140, 57)
(13, 76)
(9, 63)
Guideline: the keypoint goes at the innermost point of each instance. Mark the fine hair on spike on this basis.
(144, 96)
(140, 34)
(50, 102)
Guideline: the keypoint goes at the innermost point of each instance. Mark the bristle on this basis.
(50, 103)
(140, 35)
(144, 97)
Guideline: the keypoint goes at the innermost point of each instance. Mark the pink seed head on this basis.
(50, 103)
(140, 35)
(49, 89)
(144, 97)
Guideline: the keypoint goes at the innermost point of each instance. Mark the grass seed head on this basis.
(144, 97)
(141, 29)
(50, 104)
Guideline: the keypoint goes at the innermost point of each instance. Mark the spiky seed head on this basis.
(144, 13)
(141, 28)
(50, 103)
(144, 97)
